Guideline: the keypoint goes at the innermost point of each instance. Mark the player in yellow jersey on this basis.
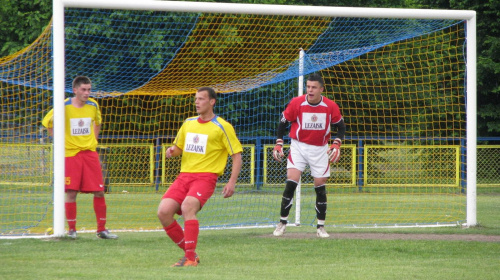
(204, 142)
(82, 167)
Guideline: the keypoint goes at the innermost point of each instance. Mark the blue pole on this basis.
(463, 173)
(360, 180)
(258, 168)
(157, 163)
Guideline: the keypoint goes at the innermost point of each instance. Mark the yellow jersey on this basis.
(79, 126)
(206, 145)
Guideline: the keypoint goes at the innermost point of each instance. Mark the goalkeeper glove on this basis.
(334, 151)
(278, 150)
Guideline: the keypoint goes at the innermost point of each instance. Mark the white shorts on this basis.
(302, 154)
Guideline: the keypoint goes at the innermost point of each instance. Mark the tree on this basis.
(22, 21)
(488, 57)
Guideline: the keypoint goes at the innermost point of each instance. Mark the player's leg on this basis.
(296, 163)
(100, 210)
(166, 210)
(286, 205)
(70, 207)
(92, 182)
(321, 205)
(73, 174)
(320, 170)
(293, 178)
(201, 188)
(190, 207)
(171, 205)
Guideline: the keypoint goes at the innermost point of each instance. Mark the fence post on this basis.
(360, 173)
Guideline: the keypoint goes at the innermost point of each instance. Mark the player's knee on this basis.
(189, 207)
(162, 213)
(290, 189)
(167, 209)
(99, 194)
(320, 193)
(71, 196)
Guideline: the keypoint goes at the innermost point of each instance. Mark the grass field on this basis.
(256, 254)
(31, 211)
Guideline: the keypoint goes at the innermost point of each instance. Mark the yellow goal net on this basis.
(400, 84)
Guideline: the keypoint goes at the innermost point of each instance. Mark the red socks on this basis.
(175, 232)
(191, 231)
(187, 239)
(100, 213)
(71, 214)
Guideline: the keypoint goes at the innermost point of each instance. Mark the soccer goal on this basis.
(405, 81)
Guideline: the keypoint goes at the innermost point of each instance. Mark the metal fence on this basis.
(380, 165)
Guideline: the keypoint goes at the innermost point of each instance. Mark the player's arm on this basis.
(229, 188)
(179, 141)
(341, 128)
(97, 130)
(97, 121)
(278, 148)
(47, 122)
(334, 150)
(173, 151)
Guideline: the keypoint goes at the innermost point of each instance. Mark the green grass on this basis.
(245, 254)
(255, 254)
(127, 210)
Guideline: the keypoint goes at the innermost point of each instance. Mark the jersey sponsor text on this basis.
(195, 148)
(313, 121)
(196, 143)
(80, 126)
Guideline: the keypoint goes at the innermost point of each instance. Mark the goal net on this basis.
(400, 83)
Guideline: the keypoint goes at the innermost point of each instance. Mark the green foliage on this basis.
(21, 22)
(488, 57)
(145, 51)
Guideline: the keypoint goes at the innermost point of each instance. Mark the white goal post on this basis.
(261, 9)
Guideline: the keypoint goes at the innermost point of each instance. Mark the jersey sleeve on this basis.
(48, 120)
(98, 117)
(335, 111)
(290, 113)
(180, 137)
(231, 142)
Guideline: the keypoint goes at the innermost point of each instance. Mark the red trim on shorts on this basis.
(328, 168)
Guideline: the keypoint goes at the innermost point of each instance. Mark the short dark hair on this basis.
(211, 92)
(79, 80)
(314, 77)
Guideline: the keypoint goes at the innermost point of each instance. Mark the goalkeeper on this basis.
(311, 116)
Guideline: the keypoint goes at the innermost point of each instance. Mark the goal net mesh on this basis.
(400, 84)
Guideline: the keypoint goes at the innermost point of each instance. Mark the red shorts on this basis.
(199, 185)
(83, 172)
